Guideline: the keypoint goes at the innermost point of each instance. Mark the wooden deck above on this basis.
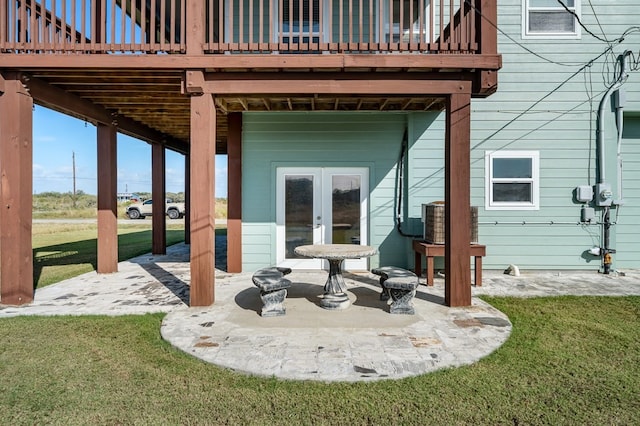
(104, 61)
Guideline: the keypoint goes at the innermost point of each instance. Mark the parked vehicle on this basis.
(144, 209)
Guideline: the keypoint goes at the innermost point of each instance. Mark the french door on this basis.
(320, 205)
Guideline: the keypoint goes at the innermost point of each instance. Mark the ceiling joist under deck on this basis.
(319, 103)
(58, 99)
(154, 107)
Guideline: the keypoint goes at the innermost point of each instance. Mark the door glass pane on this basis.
(298, 212)
(345, 209)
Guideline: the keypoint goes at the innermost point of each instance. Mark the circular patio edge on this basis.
(362, 343)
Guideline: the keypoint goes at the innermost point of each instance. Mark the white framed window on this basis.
(549, 19)
(512, 180)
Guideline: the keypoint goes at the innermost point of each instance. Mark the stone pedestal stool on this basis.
(273, 289)
(399, 285)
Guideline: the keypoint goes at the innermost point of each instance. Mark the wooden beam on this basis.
(294, 76)
(265, 84)
(16, 169)
(234, 193)
(254, 61)
(107, 199)
(406, 104)
(485, 83)
(202, 211)
(158, 195)
(457, 201)
(222, 105)
(51, 97)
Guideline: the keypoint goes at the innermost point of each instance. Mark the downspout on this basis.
(603, 103)
(606, 220)
(404, 150)
(620, 101)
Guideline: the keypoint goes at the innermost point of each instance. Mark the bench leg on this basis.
(384, 294)
(273, 303)
(430, 270)
(478, 271)
(417, 264)
(402, 301)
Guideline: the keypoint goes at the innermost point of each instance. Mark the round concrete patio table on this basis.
(335, 296)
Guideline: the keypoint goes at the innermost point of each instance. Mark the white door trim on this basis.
(322, 213)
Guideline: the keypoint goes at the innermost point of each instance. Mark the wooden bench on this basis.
(399, 285)
(430, 251)
(273, 289)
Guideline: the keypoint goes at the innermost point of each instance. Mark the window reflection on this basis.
(345, 204)
(298, 213)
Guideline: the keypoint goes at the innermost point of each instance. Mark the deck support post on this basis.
(107, 199)
(187, 199)
(158, 195)
(202, 211)
(234, 193)
(16, 183)
(457, 200)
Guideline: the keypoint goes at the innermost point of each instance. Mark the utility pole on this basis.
(73, 159)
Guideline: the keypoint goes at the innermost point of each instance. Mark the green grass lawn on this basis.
(62, 251)
(569, 360)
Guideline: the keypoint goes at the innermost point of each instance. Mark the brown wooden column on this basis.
(158, 195)
(16, 188)
(457, 196)
(487, 35)
(107, 199)
(187, 199)
(202, 211)
(234, 193)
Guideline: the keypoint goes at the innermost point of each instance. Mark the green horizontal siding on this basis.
(549, 108)
(539, 106)
(627, 229)
(255, 236)
(272, 140)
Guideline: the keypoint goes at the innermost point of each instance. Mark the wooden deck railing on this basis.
(242, 26)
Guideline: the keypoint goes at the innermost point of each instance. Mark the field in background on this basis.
(56, 205)
(64, 250)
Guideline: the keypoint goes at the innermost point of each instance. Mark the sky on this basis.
(58, 137)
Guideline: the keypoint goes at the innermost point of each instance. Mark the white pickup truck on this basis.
(144, 209)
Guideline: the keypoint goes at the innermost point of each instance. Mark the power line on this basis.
(493, 24)
(619, 40)
(572, 12)
(595, 15)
